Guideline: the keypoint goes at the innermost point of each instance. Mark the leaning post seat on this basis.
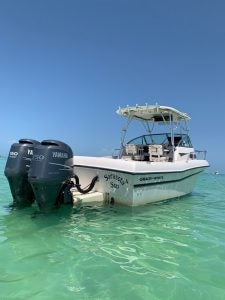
(156, 153)
(135, 151)
(131, 149)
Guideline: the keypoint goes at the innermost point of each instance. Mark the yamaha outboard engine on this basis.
(50, 168)
(16, 171)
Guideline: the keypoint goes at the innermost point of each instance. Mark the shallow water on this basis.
(170, 250)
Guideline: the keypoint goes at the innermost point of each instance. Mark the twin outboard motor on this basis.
(39, 171)
(16, 171)
(50, 168)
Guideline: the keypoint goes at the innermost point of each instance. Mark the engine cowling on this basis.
(50, 168)
(16, 171)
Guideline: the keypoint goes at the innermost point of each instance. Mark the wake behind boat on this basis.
(157, 165)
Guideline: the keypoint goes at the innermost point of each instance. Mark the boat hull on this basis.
(137, 183)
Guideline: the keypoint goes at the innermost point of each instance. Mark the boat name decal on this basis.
(151, 178)
(116, 178)
(59, 154)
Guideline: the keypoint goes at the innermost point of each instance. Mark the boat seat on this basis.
(156, 153)
(135, 151)
(131, 149)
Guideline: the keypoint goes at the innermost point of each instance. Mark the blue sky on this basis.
(66, 66)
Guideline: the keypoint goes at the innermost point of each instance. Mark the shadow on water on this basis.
(93, 209)
(96, 210)
(102, 213)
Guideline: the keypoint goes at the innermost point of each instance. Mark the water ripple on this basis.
(170, 250)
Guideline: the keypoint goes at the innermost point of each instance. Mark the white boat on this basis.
(154, 166)
(157, 165)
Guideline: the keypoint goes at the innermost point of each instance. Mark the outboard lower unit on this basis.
(16, 171)
(50, 168)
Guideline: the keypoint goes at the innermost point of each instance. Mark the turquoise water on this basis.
(170, 250)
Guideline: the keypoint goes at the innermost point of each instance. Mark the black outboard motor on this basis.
(50, 168)
(16, 171)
